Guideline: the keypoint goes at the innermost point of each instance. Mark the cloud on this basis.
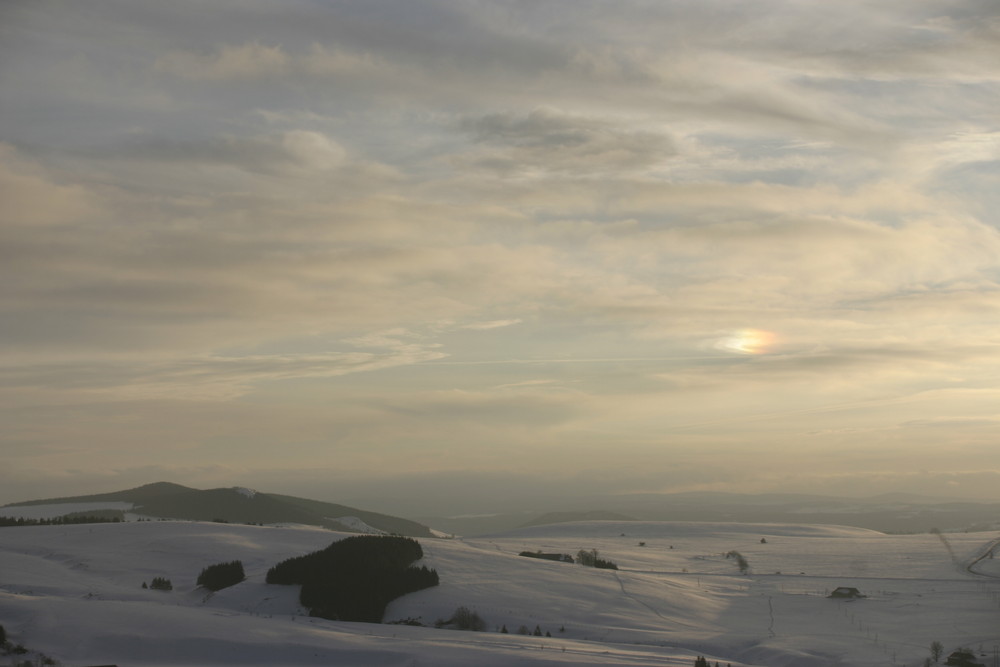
(271, 224)
(314, 150)
(950, 423)
(32, 197)
(249, 60)
(210, 378)
(526, 383)
(340, 62)
(746, 341)
(552, 141)
(493, 324)
(271, 154)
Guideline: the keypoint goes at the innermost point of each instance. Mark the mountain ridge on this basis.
(134, 495)
(891, 512)
(167, 500)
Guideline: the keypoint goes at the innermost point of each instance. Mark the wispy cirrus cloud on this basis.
(492, 324)
(545, 139)
(494, 231)
(242, 61)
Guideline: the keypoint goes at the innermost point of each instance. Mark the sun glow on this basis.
(747, 341)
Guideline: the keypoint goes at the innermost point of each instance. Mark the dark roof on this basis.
(963, 658)
(846, 592)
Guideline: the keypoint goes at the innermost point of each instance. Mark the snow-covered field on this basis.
(75, 593)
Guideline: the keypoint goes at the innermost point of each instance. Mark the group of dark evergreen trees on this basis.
(592, 559)
(214, 577)
(222, 575)
(523, 630)
(6, 646)
(160, 584)
(700, 661)
(559, 558)
(354, 579)
(583, 557)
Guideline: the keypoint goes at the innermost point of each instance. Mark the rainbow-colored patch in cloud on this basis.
(747, 341)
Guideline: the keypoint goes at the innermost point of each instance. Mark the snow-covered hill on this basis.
(75, 593)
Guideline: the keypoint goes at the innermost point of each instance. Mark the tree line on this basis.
(7, 521)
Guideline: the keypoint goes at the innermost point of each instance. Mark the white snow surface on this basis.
(243, 491)
(357, 525)
(75, 593)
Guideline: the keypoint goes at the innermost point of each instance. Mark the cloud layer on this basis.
(493, 237)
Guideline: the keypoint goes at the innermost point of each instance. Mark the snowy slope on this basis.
(357, 525)
(75, 593)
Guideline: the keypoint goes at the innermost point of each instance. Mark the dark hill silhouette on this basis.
(138, 495)
(232, 506)
(173, 501)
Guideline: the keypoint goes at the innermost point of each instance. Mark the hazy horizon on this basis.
(417, 249)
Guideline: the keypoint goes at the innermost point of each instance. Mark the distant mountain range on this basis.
(894, 513)
(569, 517)
(891, 513)
(240, 505)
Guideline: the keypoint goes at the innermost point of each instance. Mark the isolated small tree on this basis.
(503, 630)
(3, 637)
(523, 630)
(466, 619)
(537, 632)
(741, 562)
(936, 650)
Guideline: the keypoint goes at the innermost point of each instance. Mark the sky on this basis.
(406, 249)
